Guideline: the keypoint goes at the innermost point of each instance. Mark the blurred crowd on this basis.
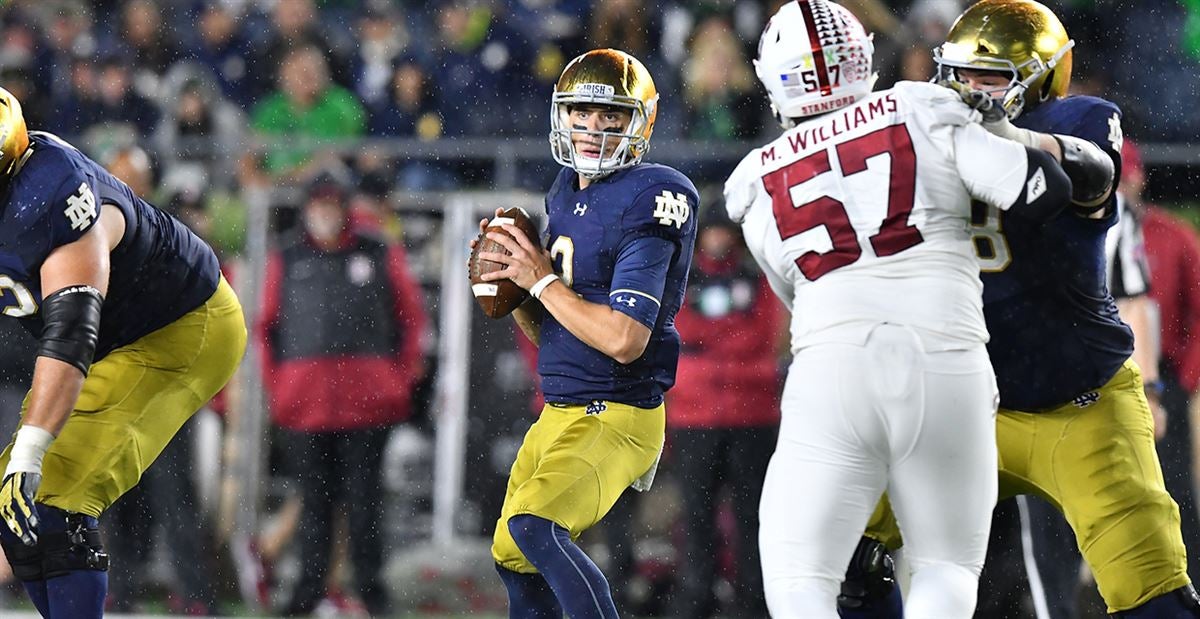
(197, 102)
(195, 81)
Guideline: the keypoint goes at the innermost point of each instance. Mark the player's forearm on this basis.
(1134, 312)
(56, 387)
(620, 337)
(528, 317)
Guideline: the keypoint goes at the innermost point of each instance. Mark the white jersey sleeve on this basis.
(741, 191)
(993, 169)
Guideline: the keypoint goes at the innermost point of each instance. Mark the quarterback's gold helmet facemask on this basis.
(1020, 37)
(14, 138)
(606, 77)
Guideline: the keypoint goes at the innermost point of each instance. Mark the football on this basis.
(498, 298)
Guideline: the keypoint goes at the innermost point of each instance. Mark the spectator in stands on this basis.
(115, 99)
(306, 106)
(298, 23)
(199, 128)
(408, 108)
(1173, 251)
(222, 48)
(719, 86)
(484, 78)
(69, 33)
(722, 416)
(147, 42)
(927, 21)
(382, 40)
(341, 327)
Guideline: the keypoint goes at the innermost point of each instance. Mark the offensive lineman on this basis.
(858, 214)
(137, 330)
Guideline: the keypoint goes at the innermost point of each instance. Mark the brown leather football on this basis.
(499, 298)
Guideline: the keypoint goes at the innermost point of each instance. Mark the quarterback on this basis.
(137, 330)
(858, 214)
(1074, 426)
(605, 289)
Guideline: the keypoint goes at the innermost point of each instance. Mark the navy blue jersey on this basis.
(625, 241)
(1055, 332)
(159, 270)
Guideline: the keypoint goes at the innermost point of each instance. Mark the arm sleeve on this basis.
(640, 276)
(73, 210)
(656, 225)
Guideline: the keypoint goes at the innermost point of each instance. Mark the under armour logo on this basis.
(595, 407)
(628, 301)
(580, 208)
(1087, 399)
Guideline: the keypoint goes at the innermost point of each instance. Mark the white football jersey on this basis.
(860, 216)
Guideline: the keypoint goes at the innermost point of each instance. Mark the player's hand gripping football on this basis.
(17, 494)
(527, 263)
(989, 108)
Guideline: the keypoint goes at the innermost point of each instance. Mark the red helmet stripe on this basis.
(818, 52)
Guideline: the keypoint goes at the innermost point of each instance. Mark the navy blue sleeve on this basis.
(654, 227)
(640, 276)
(72, 210)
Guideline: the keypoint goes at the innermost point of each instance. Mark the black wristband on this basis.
(71, 325)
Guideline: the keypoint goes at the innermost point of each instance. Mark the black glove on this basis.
(17, 493)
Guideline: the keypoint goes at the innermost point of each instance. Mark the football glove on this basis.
(21, 480)
(17, 494)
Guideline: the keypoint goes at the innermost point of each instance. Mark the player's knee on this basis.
(72, 546)
(1182, 603)
(870, 577)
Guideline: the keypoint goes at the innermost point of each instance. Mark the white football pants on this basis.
(859, 419)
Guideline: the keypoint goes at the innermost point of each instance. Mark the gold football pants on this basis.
(133, 402)
(1095, 460)
(573, 466)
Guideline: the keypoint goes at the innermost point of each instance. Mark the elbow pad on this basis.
(71, 319)
(1091, 170)
(1047, 188)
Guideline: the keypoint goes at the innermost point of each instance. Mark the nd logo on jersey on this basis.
(671, 208)
(81, 207)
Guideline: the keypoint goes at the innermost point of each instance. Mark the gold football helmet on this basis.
(1021, 37)
(14, 138)
(605, 77)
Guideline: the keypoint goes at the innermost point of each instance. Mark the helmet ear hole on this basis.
(1047, 84)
